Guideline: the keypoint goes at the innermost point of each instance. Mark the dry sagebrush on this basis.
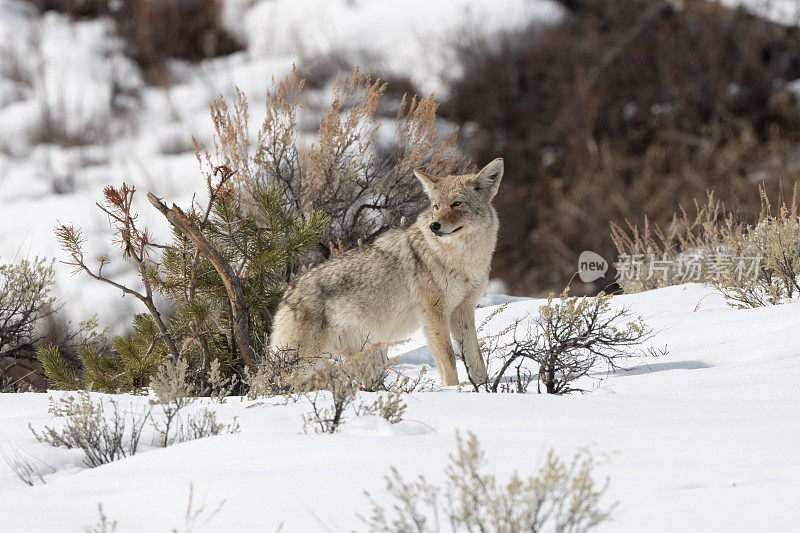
(103, 436)
(561, 497)
(332, 387)
(105, 431)
(752, 265)
(25, 302)
(570, 337)
(775, 241)
(363, 186)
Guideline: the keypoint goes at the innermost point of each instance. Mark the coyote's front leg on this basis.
(437, 333)
(462, 325)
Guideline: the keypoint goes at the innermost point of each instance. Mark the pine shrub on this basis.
(268, 207)
(256, 237)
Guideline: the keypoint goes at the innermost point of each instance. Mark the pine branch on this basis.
(239, 311)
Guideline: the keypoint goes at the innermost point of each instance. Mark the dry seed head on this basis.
(113, 196)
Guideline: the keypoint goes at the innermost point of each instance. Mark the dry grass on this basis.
(752, 265)
(651, 256)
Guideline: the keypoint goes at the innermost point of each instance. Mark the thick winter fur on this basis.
(431, 274)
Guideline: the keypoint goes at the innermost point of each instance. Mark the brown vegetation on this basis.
(363, 187)
(627, 108)
(752, 263)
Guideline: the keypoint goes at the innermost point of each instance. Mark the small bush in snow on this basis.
(174, 426)
(105, 432)
(103, 436)
(562, 497)
(388, 405)
(174, 393)
(419, 383)
(776, 241)
(220, 386)
(334, 377)
(25, 302)
(103, 525)
(277, 372)
(570, 336)
(343, 378)
(171, 385)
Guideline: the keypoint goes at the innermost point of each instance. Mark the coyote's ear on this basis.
(489, 177)
(428, 182)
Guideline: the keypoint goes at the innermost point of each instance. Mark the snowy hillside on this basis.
(71, 76)
(70, 80)
(702, 439)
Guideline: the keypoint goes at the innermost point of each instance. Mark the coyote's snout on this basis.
(430, 274)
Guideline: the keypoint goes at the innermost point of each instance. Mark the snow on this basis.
(786, 12)
(704, 438)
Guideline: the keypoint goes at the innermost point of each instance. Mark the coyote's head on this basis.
(462, 204)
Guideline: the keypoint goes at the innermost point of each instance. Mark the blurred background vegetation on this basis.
(605, 111)
(624, 110)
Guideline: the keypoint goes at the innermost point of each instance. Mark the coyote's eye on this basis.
(455, 204)
(435, 207)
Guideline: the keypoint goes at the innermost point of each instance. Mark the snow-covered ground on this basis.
(705, 438)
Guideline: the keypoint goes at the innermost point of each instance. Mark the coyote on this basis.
(430, 274)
